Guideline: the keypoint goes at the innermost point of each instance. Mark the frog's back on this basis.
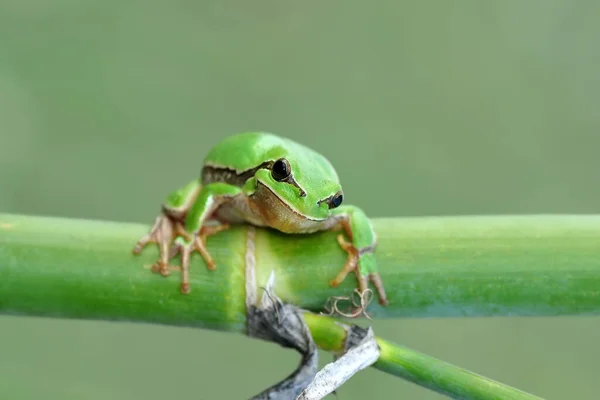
(247, 151)
(243, 151)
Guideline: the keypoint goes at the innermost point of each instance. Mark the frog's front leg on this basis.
(169, 225)
(360, 248)
(210, 198)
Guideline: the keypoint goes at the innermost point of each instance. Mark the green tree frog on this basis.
(265, 180)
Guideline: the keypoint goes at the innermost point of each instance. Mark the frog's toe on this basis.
(199, 245)
(185, 288)
(160, 268)
(378, 283)
(144, 241)
(367, 266)
(348, 267)
(351, 265)
(164, 269)
(161, 233)
(139, 246)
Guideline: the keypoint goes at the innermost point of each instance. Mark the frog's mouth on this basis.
(275, 206)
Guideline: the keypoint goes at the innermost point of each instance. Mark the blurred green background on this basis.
(424, 107)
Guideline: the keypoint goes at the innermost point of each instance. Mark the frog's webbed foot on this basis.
(360, 259)
(186, 247)
(164, 230)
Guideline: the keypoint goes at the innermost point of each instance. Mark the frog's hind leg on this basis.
(169, 225)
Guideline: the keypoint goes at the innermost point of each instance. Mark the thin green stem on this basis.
(416, 367)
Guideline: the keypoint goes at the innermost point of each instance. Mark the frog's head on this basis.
(304, 189)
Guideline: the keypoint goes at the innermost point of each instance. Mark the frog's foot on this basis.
(164, 230)
(186, 247)
(356, 257)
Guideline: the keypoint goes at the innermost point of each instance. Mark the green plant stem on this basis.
(431, 267)
(416, 367)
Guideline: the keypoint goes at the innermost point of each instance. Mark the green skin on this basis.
(240, 184)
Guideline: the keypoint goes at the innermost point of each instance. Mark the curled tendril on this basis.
(359, 304)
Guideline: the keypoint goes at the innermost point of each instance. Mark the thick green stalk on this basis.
(431, 267)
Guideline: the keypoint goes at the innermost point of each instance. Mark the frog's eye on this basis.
(281, 170)
(336, 200)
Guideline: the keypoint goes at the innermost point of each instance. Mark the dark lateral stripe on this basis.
(367, 249)
(212, 174)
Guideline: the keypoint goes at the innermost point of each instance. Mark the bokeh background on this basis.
(424, 107)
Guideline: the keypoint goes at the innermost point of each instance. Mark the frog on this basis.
(268, 181)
